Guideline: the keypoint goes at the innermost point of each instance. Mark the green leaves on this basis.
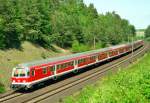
(147, 32)
(2, 89)
(59, 22)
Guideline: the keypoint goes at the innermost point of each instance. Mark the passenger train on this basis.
(26, 75)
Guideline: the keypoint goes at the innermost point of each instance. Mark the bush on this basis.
(43, 55)
(147, 32)
(76, 47)
(2, 89)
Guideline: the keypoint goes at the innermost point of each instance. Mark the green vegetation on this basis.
(147, 33)
(140, 33)
(60, 22)
(2, 89)
(127, 86)
(140, 30)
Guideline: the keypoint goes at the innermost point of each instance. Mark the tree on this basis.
(10, 33)
(2, 36)
(147, 32)
(59, 22)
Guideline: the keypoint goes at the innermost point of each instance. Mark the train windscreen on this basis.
(19, 72)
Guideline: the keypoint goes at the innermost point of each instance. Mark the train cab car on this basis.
(20, 77)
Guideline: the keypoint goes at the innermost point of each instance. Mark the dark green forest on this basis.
(61, 22)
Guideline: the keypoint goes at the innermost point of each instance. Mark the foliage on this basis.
(2, 89)
(147, 32)
(59, 22)
(128, 86)
(76, 47)
(141, 30)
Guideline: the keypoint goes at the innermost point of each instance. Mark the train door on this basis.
(52, 70)
(76, 64)
(32, 75)
(96, 57)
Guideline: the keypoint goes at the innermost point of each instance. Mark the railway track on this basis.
(56, 91)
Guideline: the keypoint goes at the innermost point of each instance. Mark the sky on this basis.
(136, 11)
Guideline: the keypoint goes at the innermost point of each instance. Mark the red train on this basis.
(28, 74)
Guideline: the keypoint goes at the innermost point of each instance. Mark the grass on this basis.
(126, 86)
(29, 52)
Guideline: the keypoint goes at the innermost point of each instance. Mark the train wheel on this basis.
(75, 71)
(28, 87)
(55, 78)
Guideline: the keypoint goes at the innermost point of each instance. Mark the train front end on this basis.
(20, 78)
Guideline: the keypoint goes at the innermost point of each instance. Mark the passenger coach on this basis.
(27, 74)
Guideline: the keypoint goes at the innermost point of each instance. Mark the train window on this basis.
(69, 64)
(22, 73)
(63, 66)
(28, 73)
(110, 53)
(19, 72)
(78, 61)
(58, 66)
(90, 58)
(52, 68)
(44, 70)
(83, 60)
(66, 65)
(93, 58)
(32, 72)
(16, 74)
(96, 57)
(72, 63)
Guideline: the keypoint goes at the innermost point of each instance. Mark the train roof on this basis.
(55, 59)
